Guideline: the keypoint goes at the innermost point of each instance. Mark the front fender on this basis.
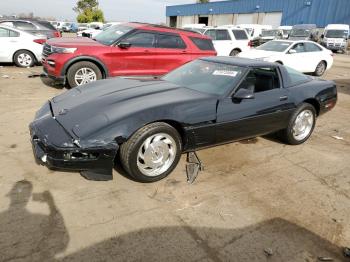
(93, 59)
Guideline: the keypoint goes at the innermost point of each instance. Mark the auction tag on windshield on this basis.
(225, 73)
(119, 32)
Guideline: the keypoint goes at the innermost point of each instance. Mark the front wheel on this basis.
(83, 73)
(301, 125)
(320, 69)
(24, 58)
(151, 153)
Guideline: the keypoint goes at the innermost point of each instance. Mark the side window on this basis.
(299, 48)
(6, 23)
(295, 77)
(141, 39)
(222, 35)
(211, 34)
(170, 41)
(13, 33)
(240, 34)
(310, 47)
(202, 43)
(4, 32)
(24, 25)
(261, 80)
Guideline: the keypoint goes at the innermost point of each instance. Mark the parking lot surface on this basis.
(256, 200)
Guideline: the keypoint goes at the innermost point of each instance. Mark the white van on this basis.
(254, 30)
(229, 40)
(335, 37)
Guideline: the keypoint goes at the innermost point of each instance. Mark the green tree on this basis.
(88, 11)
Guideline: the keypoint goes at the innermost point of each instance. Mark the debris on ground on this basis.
(268, 251)
(5, 76)
(338, 137)
(325, 259)
(34, 75)
(347, 251)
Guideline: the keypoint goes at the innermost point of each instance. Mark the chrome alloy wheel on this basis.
(321, 68)
(85, 75)
(156, 154)
(24, 60)
(303, 125)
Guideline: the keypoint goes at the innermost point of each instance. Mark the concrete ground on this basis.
(258, 200)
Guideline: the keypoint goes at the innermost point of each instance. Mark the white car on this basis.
(304, 56)
(254, 30)
(229, 40)
(92, 32)
(20, 47)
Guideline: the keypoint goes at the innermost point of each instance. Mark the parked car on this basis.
(270, 34)
(229, 40)
(131, 49)
(304, 32)
(94, 28)
(69, 27)
(254, 30)
(335, 37)
(304, 56)
(91, 33)
(82, 26)
(286, 29)
(149, 124)
(32, 26)
(200, 28)
(20, 47)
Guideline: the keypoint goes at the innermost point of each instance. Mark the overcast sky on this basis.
(114, 10)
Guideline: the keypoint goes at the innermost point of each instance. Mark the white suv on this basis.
(229, 40)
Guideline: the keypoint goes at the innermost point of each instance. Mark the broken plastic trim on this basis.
(193, 166)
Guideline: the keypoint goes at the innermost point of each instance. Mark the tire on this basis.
(23, 58)
(320, 68)
(234, 52)
(133, 152)
(288, 135)
(81, 69)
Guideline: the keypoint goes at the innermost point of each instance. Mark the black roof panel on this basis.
(238, 61)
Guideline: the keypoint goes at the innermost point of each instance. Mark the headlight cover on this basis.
(63, 50)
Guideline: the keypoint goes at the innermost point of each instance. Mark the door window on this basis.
(142, 39)
(299, 48)
(211, 34)
(261, 80)
(170, 41)
(4, 32)
(222, 35)
(240, 34)
(310, 47)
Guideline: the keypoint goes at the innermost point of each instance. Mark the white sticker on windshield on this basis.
(119, 32)
(225, 73)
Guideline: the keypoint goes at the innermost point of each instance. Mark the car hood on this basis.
(254, 54)
(83, 110)
(73, 42)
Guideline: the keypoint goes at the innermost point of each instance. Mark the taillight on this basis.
(250, 43)
(40, 41)
(57, 34)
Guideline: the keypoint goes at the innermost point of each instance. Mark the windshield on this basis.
(337, 34)
(275, 46)
(112, 34)
(265, 33)
(207, 77)
(300, 32)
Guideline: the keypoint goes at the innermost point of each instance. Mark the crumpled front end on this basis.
(54, 147)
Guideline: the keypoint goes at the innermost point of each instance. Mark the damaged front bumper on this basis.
(56, 149)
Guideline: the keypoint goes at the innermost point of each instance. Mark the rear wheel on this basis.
(320, 69)
(82, 73)
(151, 153)
(301, 125)
(23, 58)
(234, 52)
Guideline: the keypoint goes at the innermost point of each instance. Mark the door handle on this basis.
(283, 98)
(183, 52)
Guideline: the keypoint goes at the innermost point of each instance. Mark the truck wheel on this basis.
(23, 58)
(151, 153)
(320, 68)
(300, 126)
(82, 73)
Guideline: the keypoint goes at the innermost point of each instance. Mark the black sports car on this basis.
(149, 123)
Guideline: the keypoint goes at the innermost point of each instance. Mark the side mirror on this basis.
(292, 51)
(124, 45)
(244, 93)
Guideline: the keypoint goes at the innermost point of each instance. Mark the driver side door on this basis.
(136, 60)
(265, 111)
(296, 57)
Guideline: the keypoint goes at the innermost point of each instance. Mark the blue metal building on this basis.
(284, 12)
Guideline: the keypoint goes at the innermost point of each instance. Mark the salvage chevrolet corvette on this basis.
(147, 124)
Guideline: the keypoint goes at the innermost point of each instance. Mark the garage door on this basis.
(226, 19)
(273, 19)
(185, 20)
(245, 19)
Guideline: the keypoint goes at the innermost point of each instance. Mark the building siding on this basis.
(319, 12)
